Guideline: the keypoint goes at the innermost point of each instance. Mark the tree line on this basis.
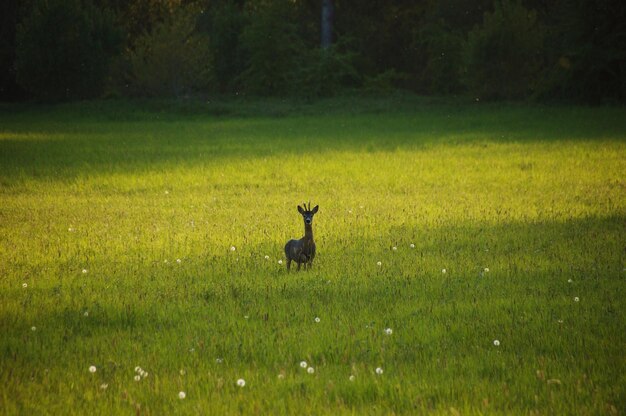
(571, 50)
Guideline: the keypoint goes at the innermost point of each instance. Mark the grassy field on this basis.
(490, 240)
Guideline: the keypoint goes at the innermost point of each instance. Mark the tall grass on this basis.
(134, 236)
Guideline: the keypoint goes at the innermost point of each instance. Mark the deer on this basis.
(302, 251)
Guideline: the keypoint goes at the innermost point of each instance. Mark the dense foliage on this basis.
(491, 49)
(64, 48)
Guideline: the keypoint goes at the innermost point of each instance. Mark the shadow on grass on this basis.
(126, 138)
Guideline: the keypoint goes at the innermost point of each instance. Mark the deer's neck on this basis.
(308, 232)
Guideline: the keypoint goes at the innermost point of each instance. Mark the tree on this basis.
(503, 55)
(64, 48)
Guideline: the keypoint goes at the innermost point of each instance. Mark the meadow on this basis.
(471, 258)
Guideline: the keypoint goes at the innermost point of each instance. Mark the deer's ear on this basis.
(315, 209)
(300, 210)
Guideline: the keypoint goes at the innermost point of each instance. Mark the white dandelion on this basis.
(280, 262)
(232, 248)
(380, 263)
(165, 261)
(24, 285)
(351, 378)
(496, 342)
(379, 370)
(412, 245)
(33, 328)
(394, 248)
(388, 331)
(86, 314)
(241, 382)
(181, 395)
(137, 369)
(317, 320)
(137, 377)
(181, 372)
(219, 360)
(303, 364)
(576, 299)
(179, 261)
(569, 280)
(103, 386)
(281, 376)
(71, 229)
(486, 269)
(167, 192)
(84, 271)
(92, 369)
(310, 370)
(444, 271)
(267, 257)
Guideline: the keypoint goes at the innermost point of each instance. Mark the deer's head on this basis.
(307, 213)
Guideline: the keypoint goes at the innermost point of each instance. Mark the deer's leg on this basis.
(288, 264)
(299, 264)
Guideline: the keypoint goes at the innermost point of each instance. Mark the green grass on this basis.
(536, 195)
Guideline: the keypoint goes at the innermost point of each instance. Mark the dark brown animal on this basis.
(302, 251)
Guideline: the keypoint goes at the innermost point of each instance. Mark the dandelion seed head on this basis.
(317, 319)
(33, 328)
(103, 386)
(182, 372)
(303, 364)
(388, 331)
(444, 271)
(137, 369)
(232, 248)
(486, 269)
(84, 271)
(137, 377)
(24, 285)
(394, 248)
(380, 263)
(351, 378)
(576, 299)
(280, 262)
(310, 370)
(267, 257)
(496, 342)
(181, 395)
(178, 261)
(92, 369)
(241, 382)
(412, 245)
(379, 370)
(219, 360)
(569, 280)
